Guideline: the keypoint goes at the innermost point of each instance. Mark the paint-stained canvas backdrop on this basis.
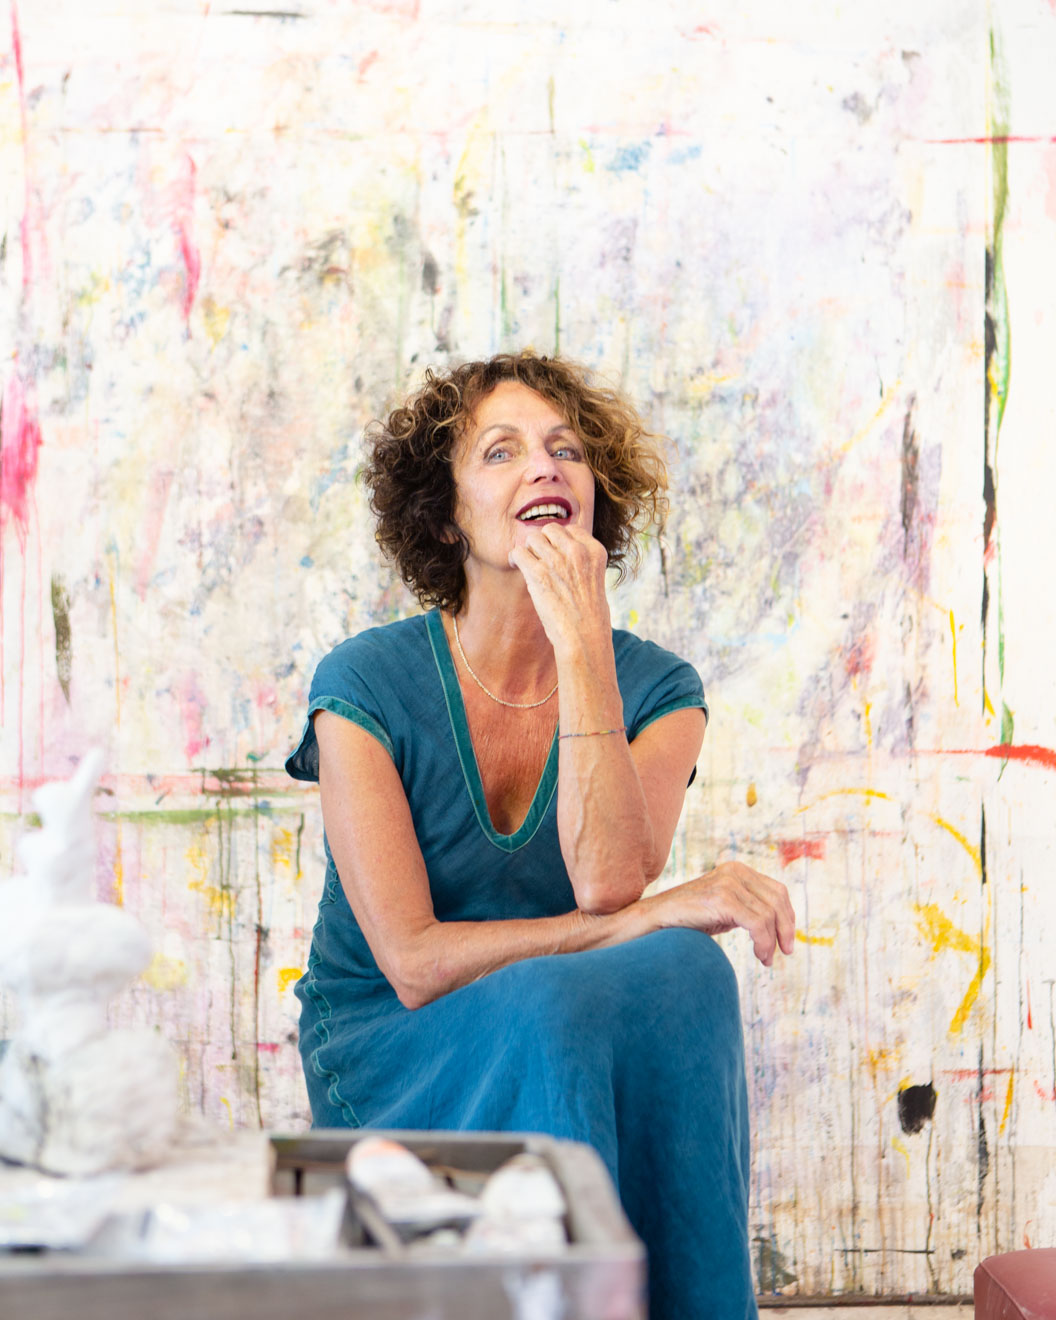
(815, 242)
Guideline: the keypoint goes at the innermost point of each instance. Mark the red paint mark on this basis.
(859, 658)
(267, 1047)
(996, 139)
(192, 263)
(990, 553)
(365, 64)
(1048, 1096)
(973, 1074)
(20, 441)
(791, 849)
(1026, 1241)
(1029, 752)
(1030, 1019)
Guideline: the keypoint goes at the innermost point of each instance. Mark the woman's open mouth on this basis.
(544, 511)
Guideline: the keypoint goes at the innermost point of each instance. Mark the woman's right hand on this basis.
(730, 895)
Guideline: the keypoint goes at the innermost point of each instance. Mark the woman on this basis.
(500, 779)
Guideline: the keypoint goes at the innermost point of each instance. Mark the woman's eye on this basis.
(497, 454)
(567, 451)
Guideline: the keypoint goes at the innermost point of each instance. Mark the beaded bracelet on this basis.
(593, 733)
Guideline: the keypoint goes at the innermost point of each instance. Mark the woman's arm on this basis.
(617, 804)
(371, 835)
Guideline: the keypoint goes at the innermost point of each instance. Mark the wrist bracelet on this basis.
(593, 733)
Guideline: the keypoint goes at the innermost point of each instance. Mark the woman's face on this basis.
(518, 465)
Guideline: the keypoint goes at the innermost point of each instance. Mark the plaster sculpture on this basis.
(75, 1097)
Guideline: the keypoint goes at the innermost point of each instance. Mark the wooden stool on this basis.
(1019, 1285)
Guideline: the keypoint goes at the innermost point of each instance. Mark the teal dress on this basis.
(635, 1049)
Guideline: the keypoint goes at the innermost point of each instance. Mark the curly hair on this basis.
(412, 490)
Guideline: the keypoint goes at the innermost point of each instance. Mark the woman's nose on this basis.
(541, 465)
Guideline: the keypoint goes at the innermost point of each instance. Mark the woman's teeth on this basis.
(543, 511)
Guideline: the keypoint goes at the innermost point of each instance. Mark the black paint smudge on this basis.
(910, 475)
(60, 613)
(916, 1106)
(982, 842)
(430, 275)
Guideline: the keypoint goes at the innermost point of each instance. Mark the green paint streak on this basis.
(1007, 726)
(1000, 366)
(60, 613)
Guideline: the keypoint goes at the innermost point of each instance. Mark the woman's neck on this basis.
(504, 641)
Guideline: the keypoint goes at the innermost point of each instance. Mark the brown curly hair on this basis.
(412, 489)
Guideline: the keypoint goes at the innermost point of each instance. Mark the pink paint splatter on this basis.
(183, 226)
(20, 441)
(789, 850)
(192, 712)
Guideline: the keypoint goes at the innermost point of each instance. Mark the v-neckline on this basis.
(456, 710)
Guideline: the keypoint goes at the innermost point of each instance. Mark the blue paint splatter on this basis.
(629, 157)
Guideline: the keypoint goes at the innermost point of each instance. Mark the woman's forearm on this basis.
(604, 826)
(445, 955)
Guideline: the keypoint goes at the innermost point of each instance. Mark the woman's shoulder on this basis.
(375, 650)
(653, 680)
(639, 653)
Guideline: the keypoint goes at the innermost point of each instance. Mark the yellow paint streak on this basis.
(868, 724)
(282, 846)
(1008, 1103)
(165, 973)
(988, 705)
(846, 792)
(804, 938)
(940, 932)
(880, 1060)
(897, 1145)
(969, 848)
(700, 387)
(953, 637)
(632, 619)
(588, 162)
(971, 994)
(216, 319)
(972, 851)
(752, 796)
(889, 397)
(221, 901)
(230, 1112)
(287, 976)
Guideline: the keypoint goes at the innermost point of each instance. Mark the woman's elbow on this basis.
(416, 980)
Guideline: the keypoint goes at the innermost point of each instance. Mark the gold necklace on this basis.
(517, 705)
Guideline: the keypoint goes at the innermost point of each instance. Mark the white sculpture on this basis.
(75, 1098)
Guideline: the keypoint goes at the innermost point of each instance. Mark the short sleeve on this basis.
(341, 684)
(654, 682)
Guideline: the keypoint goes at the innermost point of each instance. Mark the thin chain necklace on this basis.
(517, 705)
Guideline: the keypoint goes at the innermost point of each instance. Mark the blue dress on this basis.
(635, 1049)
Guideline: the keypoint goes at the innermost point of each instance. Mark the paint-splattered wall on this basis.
(815, 241)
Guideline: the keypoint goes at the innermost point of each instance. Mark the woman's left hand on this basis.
(564, 570)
